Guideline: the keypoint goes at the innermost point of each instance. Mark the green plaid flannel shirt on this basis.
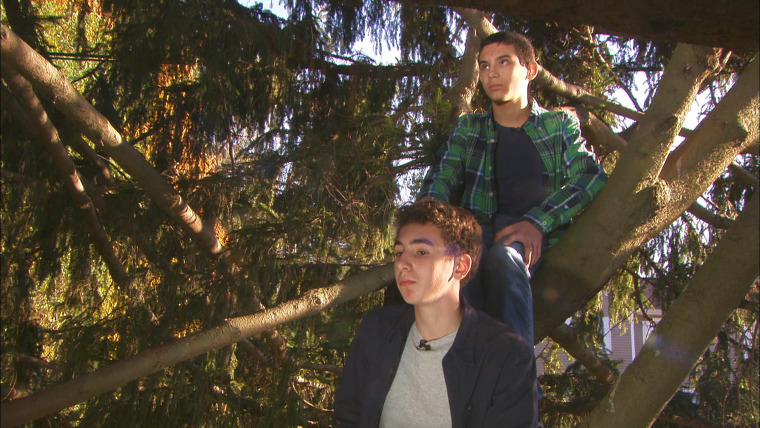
(463, 171)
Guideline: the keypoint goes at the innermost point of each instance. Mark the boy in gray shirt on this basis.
(435, 361)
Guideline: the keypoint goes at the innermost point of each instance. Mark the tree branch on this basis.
(702, 22)
(567, 338)
(461, 92)
(319, 367)
(682, 421)
(626, 214)
(44, 132)
(743, 175)
(255, 352)
(67, 394)
(598, 133)
(710, 217)
(49, 81)
(15, 176)
(680, 338)
(734, 121)
(550, 83)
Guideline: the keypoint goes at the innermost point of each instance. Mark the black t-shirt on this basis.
(519, 172)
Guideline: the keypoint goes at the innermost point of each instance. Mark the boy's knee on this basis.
(499, 256)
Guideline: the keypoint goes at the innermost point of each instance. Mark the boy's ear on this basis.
(532, 70)
(463, 265)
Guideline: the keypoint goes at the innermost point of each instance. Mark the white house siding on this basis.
(623, 340)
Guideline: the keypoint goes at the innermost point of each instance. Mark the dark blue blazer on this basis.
(490, 371)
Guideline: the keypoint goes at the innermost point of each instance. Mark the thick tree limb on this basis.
(625, 214)
(681, 338)
(67, 394)
(598, 133)
(567, 338)
(734, 121)
(461, 92)
(650, 144)
(733, 25)
(548, 82)
(478, 21)
(45, 133)
(52, 85)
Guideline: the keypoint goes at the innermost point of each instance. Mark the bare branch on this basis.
(743, 175)
(255, 352)
(710, 217)
(35, 361)
(567, 338)
(61, 396)
(15, 176)
(548, 82)
(598, 133)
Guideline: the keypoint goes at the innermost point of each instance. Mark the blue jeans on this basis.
(501, 288)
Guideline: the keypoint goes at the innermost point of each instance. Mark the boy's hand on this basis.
(527, 234)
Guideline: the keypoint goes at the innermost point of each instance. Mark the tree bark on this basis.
(54, 86)
(721, 122)
(59, 397)
(687, 329)
(461, 92)
(651, 142)
(631, 210)
(733, 25)
(549, 82)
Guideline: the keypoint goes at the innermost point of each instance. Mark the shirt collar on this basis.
(535, 112)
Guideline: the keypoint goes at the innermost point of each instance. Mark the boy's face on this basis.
(503, 77)
(425, 268)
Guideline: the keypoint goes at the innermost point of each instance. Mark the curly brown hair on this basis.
(460, 231)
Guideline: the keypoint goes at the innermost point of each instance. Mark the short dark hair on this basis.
(459, 229)
(523, 47)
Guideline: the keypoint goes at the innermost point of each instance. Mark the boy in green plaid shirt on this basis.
(523, 171)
